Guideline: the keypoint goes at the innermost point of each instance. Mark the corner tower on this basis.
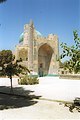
(30, 45)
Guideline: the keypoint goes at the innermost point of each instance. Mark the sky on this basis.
(59, 17)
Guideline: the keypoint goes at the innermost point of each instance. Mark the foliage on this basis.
(61, 64)
(28, 80)
(73, 52)
(11, 68)
(6, 57)
(1, 1)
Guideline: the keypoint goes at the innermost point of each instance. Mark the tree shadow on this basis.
(20, 98)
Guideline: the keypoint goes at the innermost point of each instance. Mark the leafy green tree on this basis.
(6, 56)
(73, 52)
(60, 64)
(9, 67)
(13, 68)
(1, 1)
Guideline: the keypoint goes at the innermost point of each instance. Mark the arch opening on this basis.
(23, 54)
(44, 59)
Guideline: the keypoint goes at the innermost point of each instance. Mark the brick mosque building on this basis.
(38, 53)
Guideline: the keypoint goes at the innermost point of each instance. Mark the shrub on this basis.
(2, 74)
(28, 80)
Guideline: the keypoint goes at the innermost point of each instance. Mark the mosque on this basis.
(38, 53)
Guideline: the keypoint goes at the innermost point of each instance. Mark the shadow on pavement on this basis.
(19, 98)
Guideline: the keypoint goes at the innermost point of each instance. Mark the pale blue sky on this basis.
(59, 17)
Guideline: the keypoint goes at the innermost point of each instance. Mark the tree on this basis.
(9, 67)
(73, 52)
(6, 56)
(13, 68)
(60, 64)
(1, 1)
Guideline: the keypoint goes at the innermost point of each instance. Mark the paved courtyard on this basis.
(49, 88)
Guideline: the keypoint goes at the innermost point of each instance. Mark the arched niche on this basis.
(44, 58)
(23, 54)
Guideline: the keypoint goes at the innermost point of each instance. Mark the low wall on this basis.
(70, 76)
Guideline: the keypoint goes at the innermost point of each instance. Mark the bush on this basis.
(28, 80)
(2, 74)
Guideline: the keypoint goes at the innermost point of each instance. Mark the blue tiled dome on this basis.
(38, 33)
(21, 37)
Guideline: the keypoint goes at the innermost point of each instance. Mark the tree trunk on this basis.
(11, 85)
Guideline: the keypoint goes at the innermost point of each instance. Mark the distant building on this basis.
(38, 53)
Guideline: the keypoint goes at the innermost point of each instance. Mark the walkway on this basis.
(51, 88)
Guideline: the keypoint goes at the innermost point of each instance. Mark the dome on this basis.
(38, 33)
(21, 37)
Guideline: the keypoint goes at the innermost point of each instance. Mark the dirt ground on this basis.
(34, 107)
(43, 110)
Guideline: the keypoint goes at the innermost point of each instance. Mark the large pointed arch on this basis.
(45, 52)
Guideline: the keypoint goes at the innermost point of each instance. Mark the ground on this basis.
(49, 90)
